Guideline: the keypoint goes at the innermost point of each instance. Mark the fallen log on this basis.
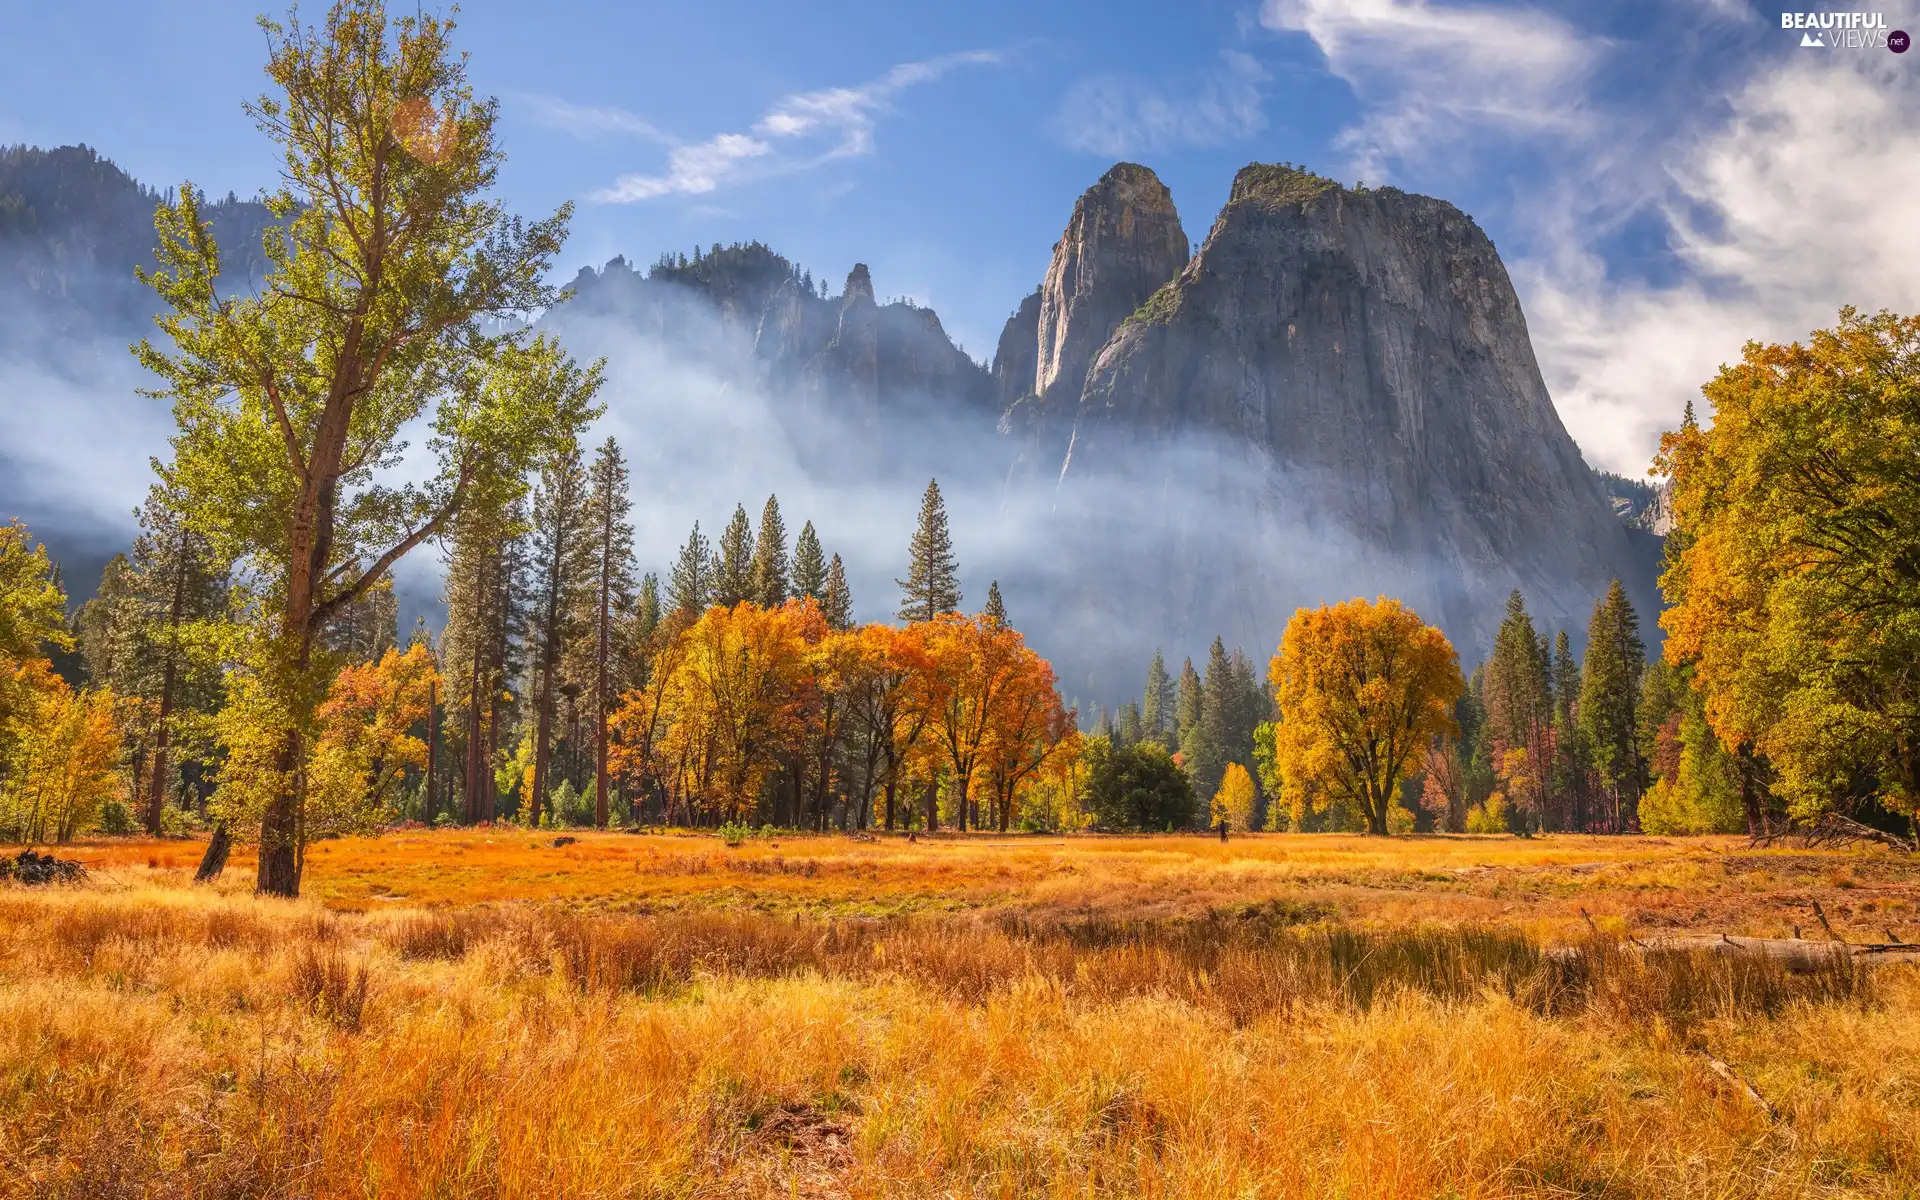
(1793, 954)
(35, 870)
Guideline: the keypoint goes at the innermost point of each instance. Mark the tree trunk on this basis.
(933, 804)
(433, 746)
(214, 861)
(600, 811)
(1750, 800)
(279, 873)
(893, 773)
(157, 803)
(542, 733)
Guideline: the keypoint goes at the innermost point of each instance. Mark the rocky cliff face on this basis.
(850, 352)
(1363, 355)
(1122, 243)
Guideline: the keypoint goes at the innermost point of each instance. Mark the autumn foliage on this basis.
(1363, 690)
(747, 703)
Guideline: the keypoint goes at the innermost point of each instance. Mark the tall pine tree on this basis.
(1609, 702)
(809, 565)
(996, 608)
(733, 577)
(1519, 700)
(562, 565)
(932, 585)
(837, 604)
(1186, 709)
(180, 587)
(486, 616)
(1206, 752)
(1156, 708)
(690, 583)
(770, 558)
(611, 549)
(647, 609)
(1569, 766)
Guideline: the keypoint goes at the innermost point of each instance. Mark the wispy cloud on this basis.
(590, 121)
(1120, 114)
(1428, 72)
(798, 132)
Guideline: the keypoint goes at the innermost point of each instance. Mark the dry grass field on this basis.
(483, 1013)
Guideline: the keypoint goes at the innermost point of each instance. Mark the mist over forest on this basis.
(1171, 536)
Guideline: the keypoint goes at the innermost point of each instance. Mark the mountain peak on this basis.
(859, 286)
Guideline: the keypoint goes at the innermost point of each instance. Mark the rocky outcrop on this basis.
(1017, 356)
(1123, 242)
(1364, 353)
(844, 355)
(889, 358)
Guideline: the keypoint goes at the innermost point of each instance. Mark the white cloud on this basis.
(1116, 115)
(588, 121)
(1781, 194)
(1799, 203)
(1426, 72)
(819, 127)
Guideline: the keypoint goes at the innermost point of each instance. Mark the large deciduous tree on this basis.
(1363, 690)
(386, 273)
(1795, 589)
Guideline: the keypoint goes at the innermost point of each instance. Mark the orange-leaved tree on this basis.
(735, 696)
(974, 663)
(1029, 729)
(365, 741)
(891, 707)
(1362, 689)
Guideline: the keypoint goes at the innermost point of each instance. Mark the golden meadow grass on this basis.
(484, 1014)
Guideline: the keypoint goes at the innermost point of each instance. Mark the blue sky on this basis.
(1663, 180)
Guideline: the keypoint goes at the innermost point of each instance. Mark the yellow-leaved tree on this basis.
(1363, 688)
(1794, 575)
(1233, 803)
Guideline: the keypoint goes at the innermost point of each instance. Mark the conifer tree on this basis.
(1609, 701)
(996, 608)
(690, 585)
(1568, 744)
(647, 610)
(611, 553)
(368, 627)
(562, 562)
(485, 615)
(837, 604)
(179, 587)
(105, 626)
(1186, 712)
(809, 565)
(733, 576)
(932, 585)
(1206, 752)
(770, 558)
(1519, 702)
(1156, 709)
